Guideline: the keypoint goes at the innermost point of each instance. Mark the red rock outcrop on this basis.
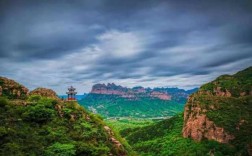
(12, 89)
(198, 126)
(160, 95)
(130, 93)
(218, 92)
(44, 92)
(112, 138)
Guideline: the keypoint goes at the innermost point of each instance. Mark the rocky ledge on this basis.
(12, 89)
(44, 92)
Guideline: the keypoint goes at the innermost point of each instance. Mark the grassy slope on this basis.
(164, 139)
(38, 129)
(122, 124)
(113, 106)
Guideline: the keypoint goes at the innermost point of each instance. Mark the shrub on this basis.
(3, 101)
(59, 149)
(34, 98)
(38, 114)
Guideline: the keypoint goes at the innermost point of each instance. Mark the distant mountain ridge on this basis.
(113, 100)
(138, 92)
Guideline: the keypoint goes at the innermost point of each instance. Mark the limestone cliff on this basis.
(198, 126)
(12, 89)
(221, 110)
(129, 93)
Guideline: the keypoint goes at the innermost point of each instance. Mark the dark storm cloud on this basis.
(140, 41)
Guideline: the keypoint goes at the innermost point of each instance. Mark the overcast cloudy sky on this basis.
(150, 43)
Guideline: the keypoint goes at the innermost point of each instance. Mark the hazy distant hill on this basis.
(116, 101)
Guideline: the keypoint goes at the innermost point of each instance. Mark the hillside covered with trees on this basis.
(31, 124)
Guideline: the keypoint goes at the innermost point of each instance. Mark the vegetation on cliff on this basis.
(165, 139)
(47, 126)
(11, 89)
(221, 110)
(216, 121)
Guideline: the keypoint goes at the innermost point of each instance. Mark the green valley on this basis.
(115, 106)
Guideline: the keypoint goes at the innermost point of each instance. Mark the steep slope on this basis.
(165, 139)
(216, 121)
(42, 125)
(222, 111)
(116, 101)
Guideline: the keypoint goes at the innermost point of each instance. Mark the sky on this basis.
(150, 43)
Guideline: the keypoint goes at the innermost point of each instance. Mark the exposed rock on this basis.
(44, 92)
(160, 95)
(12, 89)
(219, 92)
(197, 125)
(116, 142)
(200, 127)
(112, 139)
(129, 93)
(59, 109)
(206, 112)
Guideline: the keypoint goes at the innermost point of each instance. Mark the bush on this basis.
(34, 98)
(3, 132)
(3, 102)
(59, 149)
(38, 114)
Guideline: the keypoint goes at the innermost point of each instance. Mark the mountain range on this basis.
(113, 100)
(139, 92)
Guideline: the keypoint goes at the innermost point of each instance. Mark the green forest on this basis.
(115, 106)
(44, 126)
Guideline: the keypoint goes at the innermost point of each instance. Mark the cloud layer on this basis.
(151, 43)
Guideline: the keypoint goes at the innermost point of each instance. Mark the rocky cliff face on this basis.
(221, 110)
(44, 92)
(12, 89)
(198, 126)
(160, 95)
(139, 92)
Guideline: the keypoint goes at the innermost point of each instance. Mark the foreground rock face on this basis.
(198, 126)
(220, 110)
(12, 89)
(44, 92)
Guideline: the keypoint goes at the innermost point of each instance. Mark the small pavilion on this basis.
(71, 94)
